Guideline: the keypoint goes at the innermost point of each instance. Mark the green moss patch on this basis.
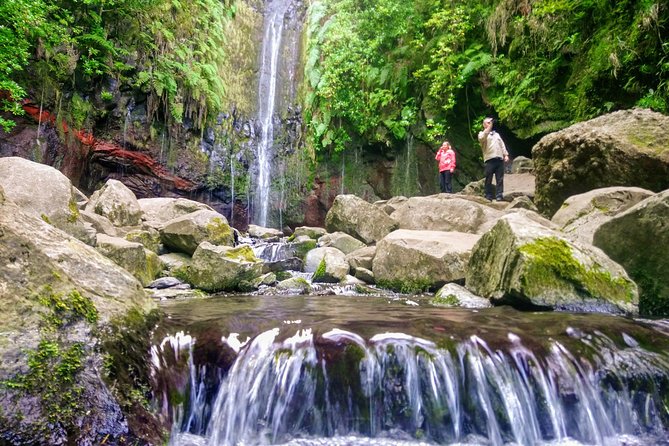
(450, 300)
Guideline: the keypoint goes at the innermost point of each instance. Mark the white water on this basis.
(284, 392)
(267, 92)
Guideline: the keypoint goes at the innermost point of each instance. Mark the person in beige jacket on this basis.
(494, 157)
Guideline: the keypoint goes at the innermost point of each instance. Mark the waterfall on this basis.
(267, 95)
(341, 384)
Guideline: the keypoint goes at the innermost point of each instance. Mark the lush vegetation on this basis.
(86, 50)
(377, 69)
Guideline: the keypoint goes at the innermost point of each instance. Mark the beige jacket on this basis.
(492, 145)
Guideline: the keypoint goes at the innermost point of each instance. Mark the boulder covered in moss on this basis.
(223, 268)
(413, 261)
(142, 263)
(328, 265)
(185, 233)
(44, 192)
(116, 202)
(638, 239)
(444, 212)
(59, 297)
(313, 232)
(358, 218)
(454, 295)
(526, 264)
(624, 148)
(581, 215)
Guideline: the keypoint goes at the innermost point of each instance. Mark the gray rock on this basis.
(412, 261)
(309, 231)
(365, 275)
(522, 164)
(342, 241)
(101, 224)
(139, 261)
(294, 285)
(454, 295)
(358, 218)
(156, 212)
(166, 282)
(522, 202)
(638, 239)
(444, 212)
(185, 233)
(524, 263)
(263, 233)
(336, 265)
(361, 258)
(116, 202)
(624, 148)
(223, 268)
(581, 215)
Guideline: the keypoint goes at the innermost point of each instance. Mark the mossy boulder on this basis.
(185, 233)
(328, 265)
(638, 239)
(581, 215)
(312, 232)
(116, 202)
(413, 261)
(223, 268)
(526, 264)
(149, 238)
(263, 233)
(454, 295)
(358, 218)
(294, 285)
(624, 148)
(142, 263)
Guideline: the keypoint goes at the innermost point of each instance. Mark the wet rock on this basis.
(329, 265)
(454, 295)
(221, 268)
(166, 282)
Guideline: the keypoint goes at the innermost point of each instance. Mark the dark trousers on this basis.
(495, 167)
(445, 181)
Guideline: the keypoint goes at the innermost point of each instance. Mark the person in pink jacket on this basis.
(446, 158)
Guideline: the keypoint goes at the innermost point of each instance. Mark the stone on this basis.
(310, 231)
(134, 257)
(638, 239)
(149, 238)
(413, 261)
(358, 218)
(116, 202)
(522, 164)
(101, 224)
(581, 215)
(624, 148)
(185, 233)
(342, 241)
(223, 268)
(525, 264)
(444, 212)
(156, 212)
(454, 295)
(361, 258)
(263, 233)
(522, 202)
(328, 265)
(294, 285)
(166, 282)
(365, 275)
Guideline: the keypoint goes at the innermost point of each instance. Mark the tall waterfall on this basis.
(339, 386)
(274, 50)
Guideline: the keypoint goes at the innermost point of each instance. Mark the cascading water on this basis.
(270, 65)
(308, 386)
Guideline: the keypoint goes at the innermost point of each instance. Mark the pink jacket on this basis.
(446, 158)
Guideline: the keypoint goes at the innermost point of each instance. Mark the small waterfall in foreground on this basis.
(305, 388)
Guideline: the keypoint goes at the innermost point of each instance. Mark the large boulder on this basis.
(223, 268)
(638, 239)
(581, 215)
(342, 241)
(158, 211)
(43, 192)
(411, 261)
(116, 202)
(625, 148)
(142, 263)
(444, 212)
(312, 232)
(185, 233)
(328, 265)
(58, 294)
(358, 218)
(361, 258)
(524, 263)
